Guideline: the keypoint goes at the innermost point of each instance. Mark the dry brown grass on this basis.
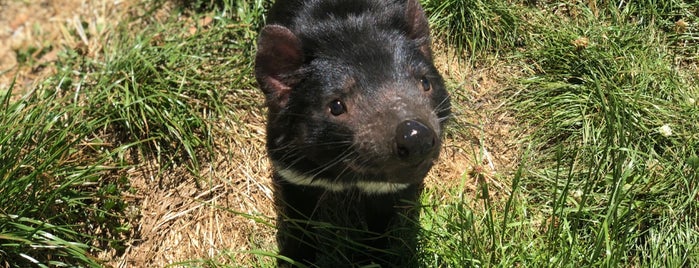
(180, 220)
(39, 30)
(490, 142)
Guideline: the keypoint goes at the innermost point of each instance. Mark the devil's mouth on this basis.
(390, 171)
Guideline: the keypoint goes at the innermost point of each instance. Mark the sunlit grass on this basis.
(607, 96)
(611, 178)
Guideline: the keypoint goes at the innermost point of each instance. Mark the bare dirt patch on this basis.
(33, 33)
(484, 143)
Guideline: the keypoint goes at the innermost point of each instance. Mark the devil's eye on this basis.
(337, 107)
(425, 83)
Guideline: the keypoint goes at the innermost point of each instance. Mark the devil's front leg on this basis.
(295, 208)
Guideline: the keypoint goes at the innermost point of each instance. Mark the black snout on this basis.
(414, 141)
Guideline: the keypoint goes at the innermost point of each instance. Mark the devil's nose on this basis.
(414, 141)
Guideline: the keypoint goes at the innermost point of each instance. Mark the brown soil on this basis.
(178, 217)
(488, 150)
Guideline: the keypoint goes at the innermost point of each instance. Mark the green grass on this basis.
(66, 147)
(603, 185)
(476, 27)
(57, 182)
(600, 182)
(165, 86)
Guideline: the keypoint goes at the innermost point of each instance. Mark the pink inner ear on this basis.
(279, 57)
(281, 91)
(279, 50)
(419, 28)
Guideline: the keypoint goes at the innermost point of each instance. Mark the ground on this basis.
(33, 33)
(177, 219)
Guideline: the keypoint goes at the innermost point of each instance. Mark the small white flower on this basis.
(691, 101)
(665, 130)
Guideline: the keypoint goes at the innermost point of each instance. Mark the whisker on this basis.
(341, 157)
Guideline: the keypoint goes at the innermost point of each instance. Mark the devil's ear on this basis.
(418, 27)
(279, 57)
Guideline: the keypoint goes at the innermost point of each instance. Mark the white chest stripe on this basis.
(369, 187)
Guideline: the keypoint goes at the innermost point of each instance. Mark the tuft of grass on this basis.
(65, 147)
(168, 82)
(55, 177)
(610, 178)
(475, 27)
(614, 134)
(458, 230)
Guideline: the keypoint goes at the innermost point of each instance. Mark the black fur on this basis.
(356, 110)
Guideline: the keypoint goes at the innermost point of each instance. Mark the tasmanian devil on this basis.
(355, 114)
